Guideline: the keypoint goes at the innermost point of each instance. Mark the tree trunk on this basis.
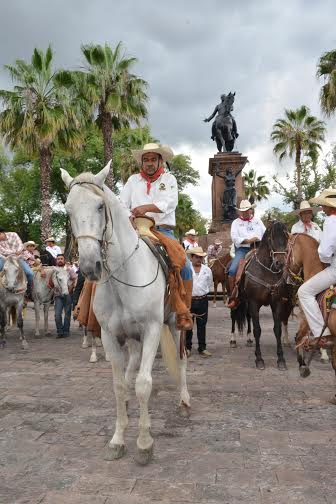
(69, 245)
(45, 169)
(108, 146)
(298, 173)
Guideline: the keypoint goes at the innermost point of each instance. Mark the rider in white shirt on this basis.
(305, 224)
(327, 252)
(190, 240)
(53, 249)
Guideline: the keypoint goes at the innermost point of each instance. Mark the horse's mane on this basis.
(15, 261)
(274, 229)
(86, 177)
(308, 238)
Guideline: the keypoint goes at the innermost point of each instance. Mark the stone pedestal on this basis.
(218, 165)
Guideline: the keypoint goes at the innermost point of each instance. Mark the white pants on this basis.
(307, 293)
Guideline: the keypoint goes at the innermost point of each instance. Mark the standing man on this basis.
(52, 248)
(202, 282)
(246, 231)
(305, 224)
(153, 192)
(64, 303)
(190, 240)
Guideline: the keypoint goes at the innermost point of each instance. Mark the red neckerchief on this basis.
(151, 178)
(246, 220)
(307, 226)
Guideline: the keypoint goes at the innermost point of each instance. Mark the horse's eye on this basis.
(101, 207)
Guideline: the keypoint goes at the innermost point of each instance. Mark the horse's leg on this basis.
(93, 357)
(224, 292)
(215, 293)
(249, 341)
(143, 389)
(37, 317)
(221, 139)
(324, 355)
(254, 310)
(19, 309)
(277, 331)
(134, 351)
(116, 447)
(46, 307)
(233, 342)
(285, 338)
(85, 342)
(3, 321)
(300, 353)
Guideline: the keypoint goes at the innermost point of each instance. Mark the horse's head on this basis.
(275, 239)
(13, 275)
(87, 210)
(60, 280)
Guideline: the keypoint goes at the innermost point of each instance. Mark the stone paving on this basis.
(257, 437)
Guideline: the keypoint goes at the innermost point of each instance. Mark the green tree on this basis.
(326, 69)
(118, 97)
(188, 217)
(256, 186)
(275, 214)
(298, 134)
(37, 115)
(185, 174)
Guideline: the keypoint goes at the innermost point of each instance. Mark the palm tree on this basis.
(298, 134)
(118, 97)
(37, 115)
(256, 187)
(326, 68)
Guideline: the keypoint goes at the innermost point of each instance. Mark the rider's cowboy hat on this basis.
(326, 198)
(304, 207)
(218, 242)
(198, 251)
(244, 206)
(30, 242)
(191, 232)
(50, 239)
(164, 150)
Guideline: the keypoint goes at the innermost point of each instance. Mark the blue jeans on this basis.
(240, 253)
(25, 267)
(63, 303)
(186, 271)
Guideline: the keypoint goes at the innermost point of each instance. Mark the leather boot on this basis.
(233, 293)
(184, 321)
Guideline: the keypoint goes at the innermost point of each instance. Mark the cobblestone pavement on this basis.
(265, 437)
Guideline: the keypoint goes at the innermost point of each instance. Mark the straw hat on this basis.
(326, 198)
(196, 251)
(304, 206)
(164, 150)
(245, 205)
(50, 239)
(191, 232)
(30, 242)
(218, 242)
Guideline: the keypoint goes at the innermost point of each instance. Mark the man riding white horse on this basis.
(153, 192)
(327, 252)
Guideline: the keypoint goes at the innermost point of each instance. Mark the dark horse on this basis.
(263, 284)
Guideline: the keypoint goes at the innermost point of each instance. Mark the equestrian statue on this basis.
(224, 128)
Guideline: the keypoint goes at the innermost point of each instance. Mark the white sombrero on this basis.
(191, 232)
(164, 150)
(30, 242)
(218, 242)
(244, 205)
(326, 198)
(196, 251)
(304, 207)
(50, 239)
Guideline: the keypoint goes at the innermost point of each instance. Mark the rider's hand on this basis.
(205, 120)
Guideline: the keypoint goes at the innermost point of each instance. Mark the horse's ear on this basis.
(67, 179)
(101, 176)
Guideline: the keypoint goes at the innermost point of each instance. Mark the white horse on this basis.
(13, 285)
(91, 341)
(43, 292)
(129, 300)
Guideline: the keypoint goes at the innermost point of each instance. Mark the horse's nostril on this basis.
(98, 267)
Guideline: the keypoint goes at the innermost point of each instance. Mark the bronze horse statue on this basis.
(263, 284)
(224, 128)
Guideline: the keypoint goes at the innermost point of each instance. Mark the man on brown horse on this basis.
(327, 252)
(305, 224)
(214, 251)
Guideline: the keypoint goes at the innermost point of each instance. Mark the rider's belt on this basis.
(199, 297)
(165, 226)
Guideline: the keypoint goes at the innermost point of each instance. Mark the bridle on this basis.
(294, 278)
(104, 242)
(20, 290)
(273, 255)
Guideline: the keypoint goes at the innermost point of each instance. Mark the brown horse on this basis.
(303, 258)
(219, 272)
(263, 284)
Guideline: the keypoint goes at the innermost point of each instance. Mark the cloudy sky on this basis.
(190, 52)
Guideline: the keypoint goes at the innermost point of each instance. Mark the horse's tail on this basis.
(12, 316)
(169, 353)
(240, 313)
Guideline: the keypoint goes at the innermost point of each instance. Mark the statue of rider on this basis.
(223, 111)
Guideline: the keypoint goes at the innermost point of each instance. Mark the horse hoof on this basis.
(233, 344)
(325, 360)
(85, 345)
(98, 342)
(260, 364)
(114, 452)
(282, 366)
(93, 359)
(143, 457)
(107, 358)
(249, 343)
(184, 410)
(304, 371)
(286, 344)
(37, 336)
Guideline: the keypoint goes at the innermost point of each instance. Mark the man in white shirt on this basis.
(190, 239)
(305, 224)
(52, 248)
(327, 252)
(202, 282)
(153, 192)
(246, 231)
